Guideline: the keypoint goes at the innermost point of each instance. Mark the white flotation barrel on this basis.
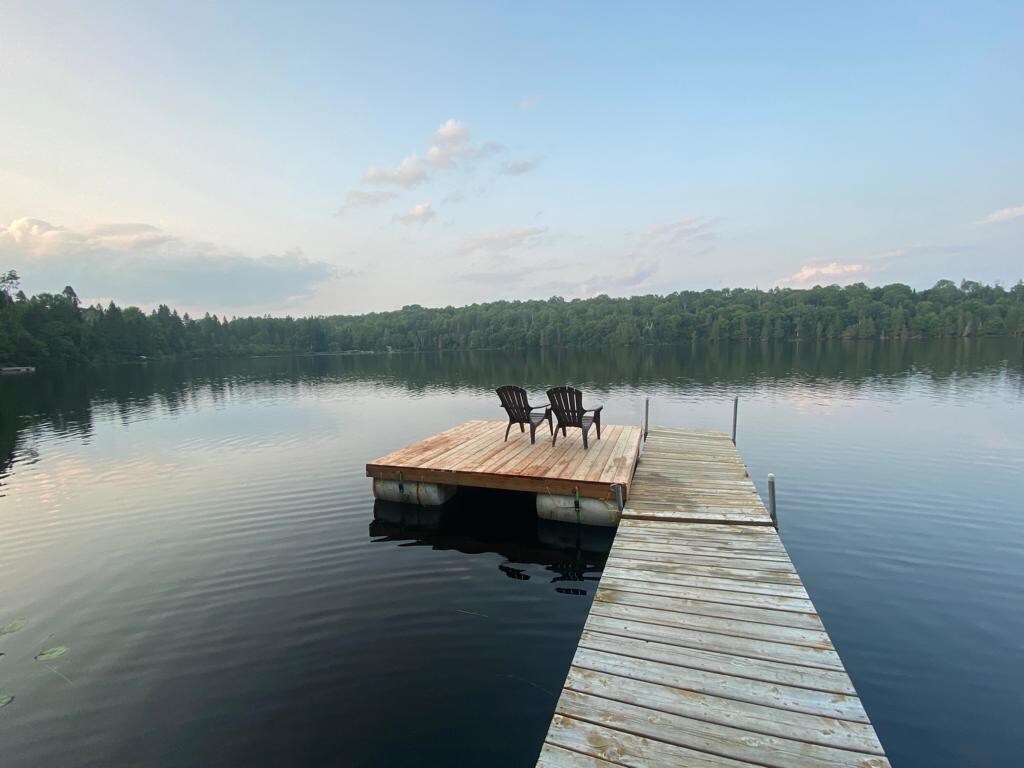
(569, 509)
(424, 494)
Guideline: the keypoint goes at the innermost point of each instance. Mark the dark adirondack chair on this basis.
(567, 405)
(513, 400)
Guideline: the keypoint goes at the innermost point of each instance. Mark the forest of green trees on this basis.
(55, 327)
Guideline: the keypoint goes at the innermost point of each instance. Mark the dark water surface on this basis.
(201, 539)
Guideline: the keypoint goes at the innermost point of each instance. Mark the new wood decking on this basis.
(475, 453)
(702, 647)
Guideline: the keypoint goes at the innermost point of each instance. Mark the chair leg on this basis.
(597, 423)
(533, 433)
(585, 446)
(521, 427)
(554, 437)
(506, 431)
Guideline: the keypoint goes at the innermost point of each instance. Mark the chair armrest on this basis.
(593, 410)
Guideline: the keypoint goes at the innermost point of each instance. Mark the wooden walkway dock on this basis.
(476, 454)
(702, 647)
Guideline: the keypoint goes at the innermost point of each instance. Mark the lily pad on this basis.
(12, 626)
(51, 653)
(5, 699)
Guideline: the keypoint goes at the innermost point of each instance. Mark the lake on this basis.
(200, 540)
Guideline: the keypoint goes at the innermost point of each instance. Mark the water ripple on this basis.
(208, 553)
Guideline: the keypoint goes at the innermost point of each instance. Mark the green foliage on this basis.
(51, 653)
(12, 626)
(55, 328)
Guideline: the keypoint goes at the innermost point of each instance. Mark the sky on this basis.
(306, 158)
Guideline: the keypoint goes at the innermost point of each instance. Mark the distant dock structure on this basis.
(702, 647)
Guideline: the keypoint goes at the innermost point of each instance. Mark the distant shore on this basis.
(56, 328)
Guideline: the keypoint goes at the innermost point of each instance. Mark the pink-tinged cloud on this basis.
(420, 214)
(835, 272)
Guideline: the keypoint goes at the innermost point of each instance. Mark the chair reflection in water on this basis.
(570, 554)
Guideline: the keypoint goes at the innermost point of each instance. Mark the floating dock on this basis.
(702, 647)
(476, 454)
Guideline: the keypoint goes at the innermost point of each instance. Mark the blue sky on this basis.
(309, 158)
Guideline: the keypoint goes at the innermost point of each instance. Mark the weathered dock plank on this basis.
(476, 454)
(702, 647)
(693, 477)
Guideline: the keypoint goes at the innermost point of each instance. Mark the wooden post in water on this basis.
(620, 499)
(771, 501)
(735, 409)
(647, 417)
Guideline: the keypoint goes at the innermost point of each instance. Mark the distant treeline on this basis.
(55, 327)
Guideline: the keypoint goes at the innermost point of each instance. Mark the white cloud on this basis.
(519, 167)
(451, 148)
(420, 214)
(358, 198)
(38, 239)
(129, 236)
(834, 272)
(35, 238)
(1003, 215)
(500, 242)
(140, 263)
(452, 132)
(408, 173)
(451, 144)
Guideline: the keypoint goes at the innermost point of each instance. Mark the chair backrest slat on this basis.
(567, 404)
(514, 401)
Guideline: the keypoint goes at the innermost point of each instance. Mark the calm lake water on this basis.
(201, 539)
